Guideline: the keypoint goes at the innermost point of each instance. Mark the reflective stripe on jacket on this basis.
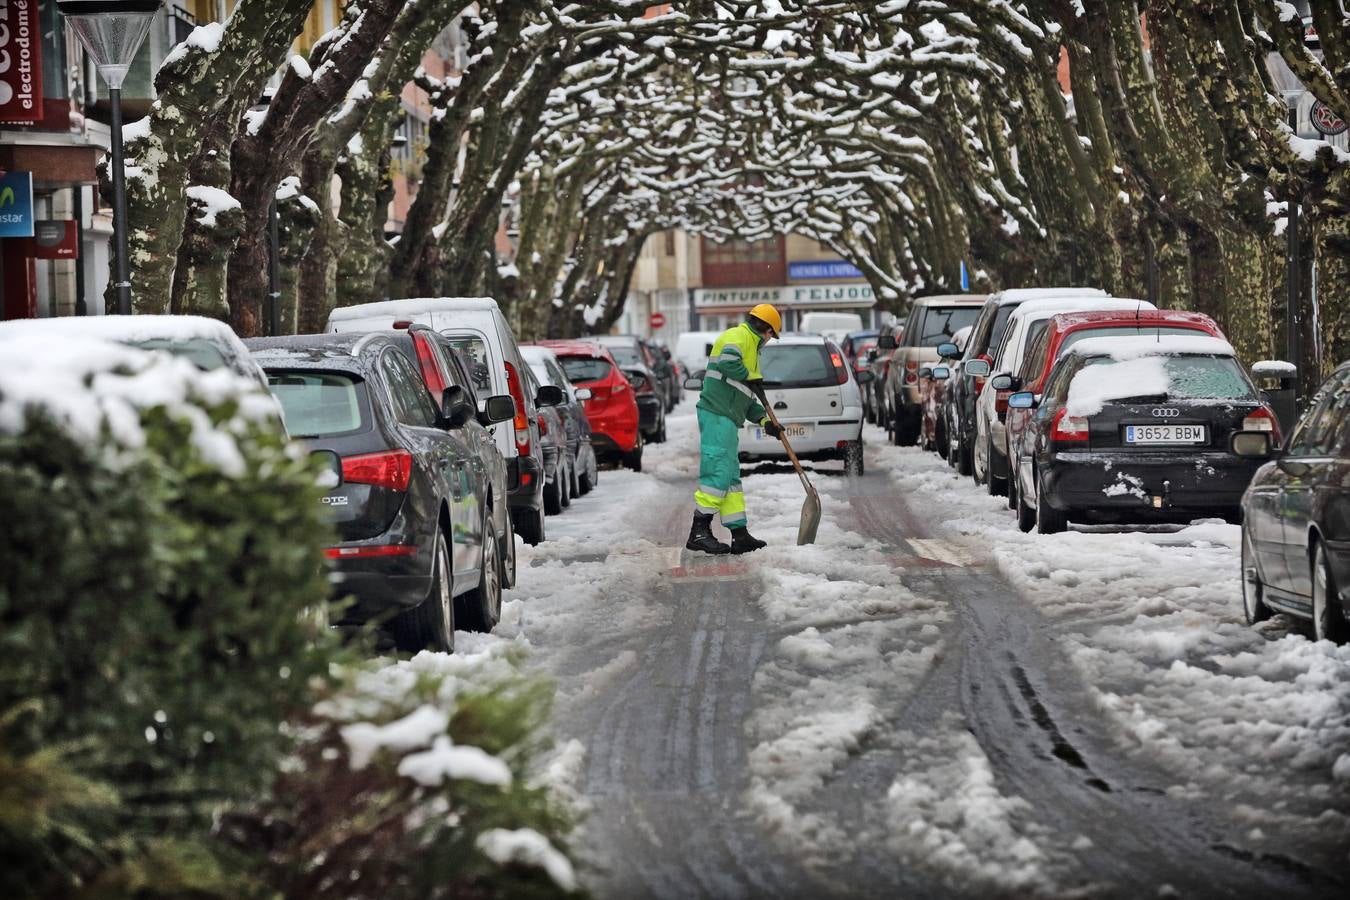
(733, 363)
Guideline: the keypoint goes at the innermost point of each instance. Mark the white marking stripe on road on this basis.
(943, 551)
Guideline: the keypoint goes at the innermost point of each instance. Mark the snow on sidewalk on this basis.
(1153, 621)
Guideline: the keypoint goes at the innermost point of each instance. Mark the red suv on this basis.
(611, 407)
(1066, 329)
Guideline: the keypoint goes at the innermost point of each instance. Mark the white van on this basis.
(692, 349)
(476, 326)
(832, 325)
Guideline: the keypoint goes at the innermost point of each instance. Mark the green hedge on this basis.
(172, 721)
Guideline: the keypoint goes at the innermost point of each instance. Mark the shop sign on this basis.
(1325, 121)
(56, 239)
(16, 204)
(822, 270)
(845, 296)
(20, 63)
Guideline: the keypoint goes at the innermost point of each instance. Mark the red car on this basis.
(1064, 330)
(611, 407)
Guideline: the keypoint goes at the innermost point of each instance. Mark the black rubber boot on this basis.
(742, 541)
(701, 536)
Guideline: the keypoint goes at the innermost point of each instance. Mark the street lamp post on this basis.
(111, 32)
(1294, 274)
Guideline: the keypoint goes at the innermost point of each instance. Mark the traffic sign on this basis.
(657, 320)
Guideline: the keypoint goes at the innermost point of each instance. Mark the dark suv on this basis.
(417, 545)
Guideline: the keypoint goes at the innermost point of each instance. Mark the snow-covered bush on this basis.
(414, 779)
(159, 546)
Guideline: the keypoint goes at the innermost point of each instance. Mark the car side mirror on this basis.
(948, 350)
(887, 342)
(872, 354)
(455, 408)
(693, 383)
(1003, 382)
(1022, 400)
(925, 372)
(979, 368)
(942, 373)
(1250, 444)
(583, 393)
(549, 395)
(864, 376)
(497, 409)
(330, 464)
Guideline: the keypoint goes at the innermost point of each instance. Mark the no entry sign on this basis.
(657, 320)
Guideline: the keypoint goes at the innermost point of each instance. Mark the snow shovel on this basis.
(810, 521)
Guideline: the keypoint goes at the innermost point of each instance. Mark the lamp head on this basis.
(111, 32)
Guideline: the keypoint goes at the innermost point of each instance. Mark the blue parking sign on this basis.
(16, 204)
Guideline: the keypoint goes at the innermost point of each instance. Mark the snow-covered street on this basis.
(926, 702)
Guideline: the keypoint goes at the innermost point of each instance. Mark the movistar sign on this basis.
(16, 204)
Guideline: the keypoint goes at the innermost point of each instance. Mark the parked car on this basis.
(548, 369)
(417, 546)
(1063, 330)
(815, 396)
(669, 368)
(477, 328)
(933, 382)
(442, 367)
(1137, 430)
(553, 440)
(1026, 323)
(639, 367)
(986, 337)
(833, 326)
(611, 408)
(879, 363)
(692, 349)
(855, 346)
(1296, 516)
(932, 321)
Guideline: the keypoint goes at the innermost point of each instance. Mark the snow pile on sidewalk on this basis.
(1255, 717)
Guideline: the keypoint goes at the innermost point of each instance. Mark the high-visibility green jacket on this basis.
(733, 363)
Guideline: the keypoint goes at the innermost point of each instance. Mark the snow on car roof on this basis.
(793, 338)
(1022, 295)
(1124, 348)
(129, 329)
(1148, 315)
(535, 353)
(1052, 305)
(415, 306)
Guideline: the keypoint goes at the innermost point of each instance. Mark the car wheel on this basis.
(584, 483)
(1253, 591)
(940, 438)
(1011, 484)
(530, 527)
(1026, 513)
(481, 608)
(853, 458)
(430, 625)
(1048, 519)
(965, 465)
(997, 487)
(553, 495)
(660, 436)
(508, 554)
(907, 427)
(633, 458)
(1328, 617)
(565, 488)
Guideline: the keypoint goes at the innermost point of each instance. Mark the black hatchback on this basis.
(416, 537)
(1135, 430)
(1296, 517)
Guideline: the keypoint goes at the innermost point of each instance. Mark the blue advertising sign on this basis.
(16, 204)
(820, 270)
(965, 277)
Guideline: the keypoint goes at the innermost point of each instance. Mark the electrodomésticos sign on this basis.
(16, 204)
(822, 270)
(20, 63)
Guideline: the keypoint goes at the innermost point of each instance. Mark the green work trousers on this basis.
(719, 469)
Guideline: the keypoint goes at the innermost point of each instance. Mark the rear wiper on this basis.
(1143, 398)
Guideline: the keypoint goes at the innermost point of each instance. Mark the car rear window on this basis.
(796, 365)
(315, 404)
(940, 323)
(476, 355)
(626, 354)
(1074, 337)
(583, 369)
(201, 353)
(1186, 377)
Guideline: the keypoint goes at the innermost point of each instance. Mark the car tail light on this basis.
(1263, 419)
(1001, 401)
(1064, 427)
(426, 361)
(840, 370)
(371, 551)
(402, 324)
(390, 469)
(911, 371)
(522, 421)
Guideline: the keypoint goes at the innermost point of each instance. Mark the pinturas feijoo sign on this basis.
(20, 62)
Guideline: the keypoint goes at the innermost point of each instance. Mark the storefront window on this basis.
(737, 263)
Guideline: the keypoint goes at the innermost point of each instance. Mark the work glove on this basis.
(772, 430)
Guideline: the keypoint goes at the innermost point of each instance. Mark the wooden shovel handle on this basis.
(782, 436)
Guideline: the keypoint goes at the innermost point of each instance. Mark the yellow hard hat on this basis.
(769, 316)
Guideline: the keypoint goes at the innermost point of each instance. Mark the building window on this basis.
(670, 242)
(739, 263)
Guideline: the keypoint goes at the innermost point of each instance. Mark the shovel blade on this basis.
(810, 521)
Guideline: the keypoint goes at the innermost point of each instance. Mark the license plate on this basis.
(794, 430)
(1165, 434)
